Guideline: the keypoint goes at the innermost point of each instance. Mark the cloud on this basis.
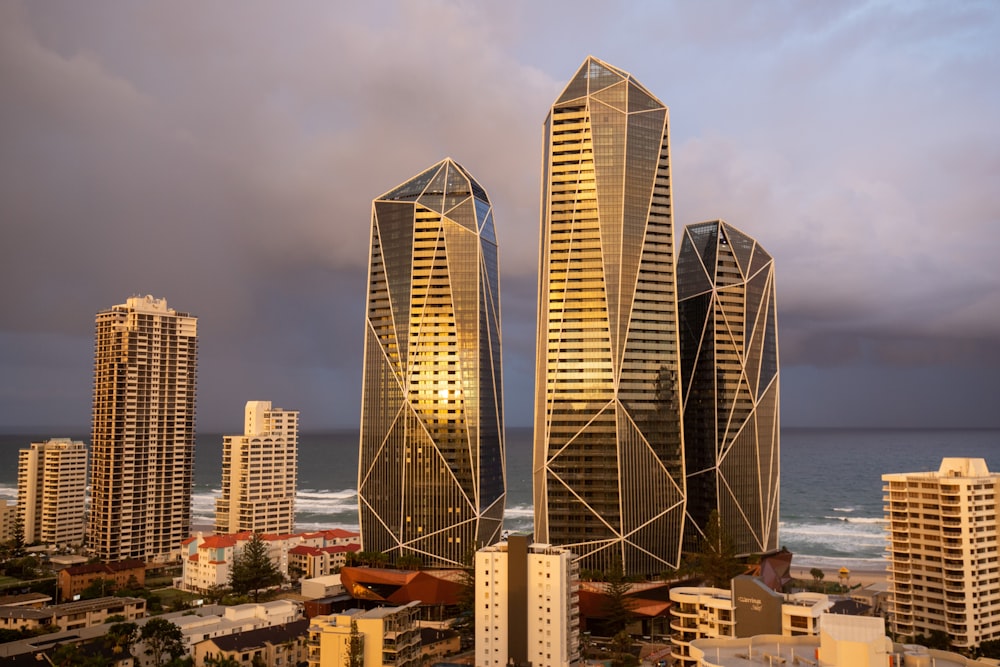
(226, 160)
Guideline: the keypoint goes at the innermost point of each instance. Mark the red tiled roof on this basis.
(107, 568)
(340, 532)
(128, 564)
(647, 598)
(218, 542)
(304, 550)
(193, 558)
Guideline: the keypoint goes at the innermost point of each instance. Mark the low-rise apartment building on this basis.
(311, 562)
(72, 615)
(208, 559)
(75, 579)
(276, 646)
(749, 608)
(389, 637)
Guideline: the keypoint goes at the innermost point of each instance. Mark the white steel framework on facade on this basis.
(729, 366)
(432, 475)
(608, 452)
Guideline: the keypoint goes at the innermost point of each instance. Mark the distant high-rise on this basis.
(609, 469)
(259, 473)
(142, 449)
(432, 480)
(729, 366)
(51, 486)
(942, 529)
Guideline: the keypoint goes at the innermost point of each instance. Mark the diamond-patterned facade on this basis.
(609, 467)
(432, 471)
(729, 352)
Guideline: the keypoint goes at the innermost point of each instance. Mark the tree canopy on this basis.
(618, 606)
(716, 562)
(164, 641)
(253, 569)
(355, 648)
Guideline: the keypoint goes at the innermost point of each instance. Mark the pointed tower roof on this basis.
(595, 75)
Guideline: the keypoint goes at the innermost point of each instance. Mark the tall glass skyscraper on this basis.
(729, 364)
(432, 476)
(609, 459)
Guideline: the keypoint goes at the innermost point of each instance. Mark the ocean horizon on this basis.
(831, 490)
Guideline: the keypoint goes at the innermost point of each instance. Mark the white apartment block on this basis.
(8, 519)
(389, 636)
(944, 572)
(206, 560)
(212, 621)
(527, 605)
(142, 440)
(747, 610)
(51, 487)
(842, 641)
(259, 472)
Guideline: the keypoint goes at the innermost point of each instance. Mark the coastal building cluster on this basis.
(657, 425)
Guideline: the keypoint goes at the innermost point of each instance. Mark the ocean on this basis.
(831, 487)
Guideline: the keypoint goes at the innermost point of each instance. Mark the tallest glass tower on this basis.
(609, 457)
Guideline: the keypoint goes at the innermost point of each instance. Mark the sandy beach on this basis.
(863, 577)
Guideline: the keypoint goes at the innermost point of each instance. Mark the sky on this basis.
(224, 156)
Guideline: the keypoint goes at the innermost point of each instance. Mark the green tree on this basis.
(990, 649)
(937, 639)
(618, 606)
(465, 623)
(164, 641)
(121, 637)
(222, 661)
(216, 594)
(621, 650)
(98, 588)
(409, 561)
(22, 567)
(71, 655)
(355, 648)
(716, 563)
(17, 538)
(373, 558)
(253, 569)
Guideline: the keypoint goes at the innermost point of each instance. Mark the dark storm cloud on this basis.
(225, 157)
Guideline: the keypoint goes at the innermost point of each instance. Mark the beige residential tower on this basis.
(142, 445)
(51, 488)
(259, 473)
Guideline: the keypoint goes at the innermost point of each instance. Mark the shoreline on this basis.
(865, 577)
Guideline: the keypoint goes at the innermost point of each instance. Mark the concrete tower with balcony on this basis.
(944, 573)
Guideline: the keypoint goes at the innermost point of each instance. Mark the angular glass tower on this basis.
(608, 453)
(432, 475)
(729, 357)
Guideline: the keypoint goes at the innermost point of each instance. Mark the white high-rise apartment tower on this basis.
(51, 485)
(142, 448)
(259, 473)
(527, 605)
(943, 549)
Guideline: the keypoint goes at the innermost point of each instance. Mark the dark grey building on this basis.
(729, 366)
